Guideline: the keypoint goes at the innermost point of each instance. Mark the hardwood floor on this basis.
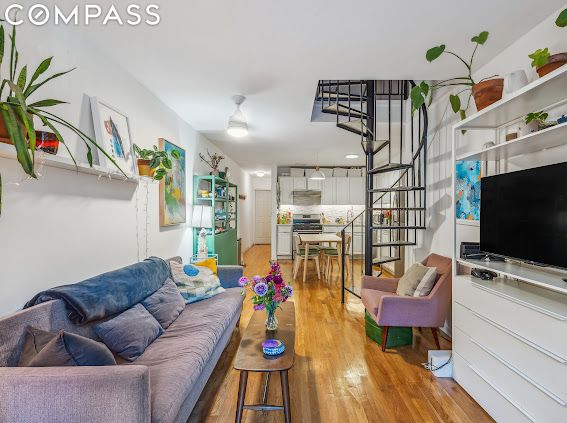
(339, 374)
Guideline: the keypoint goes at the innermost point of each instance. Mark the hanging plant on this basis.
(17, 115)
(485, 92)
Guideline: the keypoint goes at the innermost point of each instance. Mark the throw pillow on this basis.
(166, 304)
(211, 263)
(190, 270)
(129, 333)
(69, 349)
(48, 349)
(418, 281)
(34, 342)
(195, 288)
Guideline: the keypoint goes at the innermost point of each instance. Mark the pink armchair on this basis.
(388, 309)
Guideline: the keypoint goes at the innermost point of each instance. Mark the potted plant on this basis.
(213, 162)
(485, 92)
(18, 115)
(537, 121)
(154, 163)
(542, 61)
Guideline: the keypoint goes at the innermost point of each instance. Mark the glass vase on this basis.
(272, 320)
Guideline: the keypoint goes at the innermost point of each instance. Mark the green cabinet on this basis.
(222, 196)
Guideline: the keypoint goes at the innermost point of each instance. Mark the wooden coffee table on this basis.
(250, 358)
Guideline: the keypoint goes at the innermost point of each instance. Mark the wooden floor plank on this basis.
(339, 375)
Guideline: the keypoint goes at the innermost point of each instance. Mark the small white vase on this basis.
(514, 81)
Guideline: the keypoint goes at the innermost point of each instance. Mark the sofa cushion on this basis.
(195, 288)
(69, 349)
(34, 342)
(166, 304)
(371, 299)
(417, 281)
(177, 358)
(129, 333)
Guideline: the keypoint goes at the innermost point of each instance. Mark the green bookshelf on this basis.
(223, 198)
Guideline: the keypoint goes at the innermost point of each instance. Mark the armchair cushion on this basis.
(417, 281)
(372, 299)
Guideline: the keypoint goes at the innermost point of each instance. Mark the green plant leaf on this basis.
(561, 20)
(417, 98)
(89, 154)
(12, 52)
(434, 52)
(539, 57)
(32, 88)
(424, 88)
(154, 163)
(455, 102)
(47, 103)
(176, 154)
(22, 77)
(1, 44)
(27, 121)
(480, 38)
(17, 137)
(167, 162)
(43, 66)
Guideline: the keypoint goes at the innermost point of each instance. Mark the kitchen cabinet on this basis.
(358, 241)
(286, 190)
(328, 191)
(342, 187)
(314, 185)
(284, 241)
(299, 183)
(356, 190)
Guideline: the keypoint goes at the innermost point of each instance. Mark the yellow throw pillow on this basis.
(211, 263)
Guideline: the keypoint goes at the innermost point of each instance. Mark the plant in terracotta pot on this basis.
(19, 114)
(542, 60)
(485, 92)
(154, 163)
(539, 120)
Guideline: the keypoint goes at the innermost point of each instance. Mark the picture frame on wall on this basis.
(173, 188)
(112, 133)
(468, 175)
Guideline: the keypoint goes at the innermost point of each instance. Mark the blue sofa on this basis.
(162, 385)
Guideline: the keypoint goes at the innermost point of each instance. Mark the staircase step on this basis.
(395, 244)
(383, 260)
(392, 227)
(396, 189)
(390, 167)
(355, 126)
(399, 208)
(340, 109)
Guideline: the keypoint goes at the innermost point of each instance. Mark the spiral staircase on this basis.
(394, 141)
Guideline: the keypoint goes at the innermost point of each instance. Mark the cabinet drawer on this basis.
(493, 401)
(532, 325)
(534, 402)
(528, 359)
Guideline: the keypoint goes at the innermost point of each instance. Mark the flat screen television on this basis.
(523, 215)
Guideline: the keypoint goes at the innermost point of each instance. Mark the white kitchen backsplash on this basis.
(331, 212)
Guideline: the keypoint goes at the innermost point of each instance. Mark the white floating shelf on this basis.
(60, 162)
(554, 136)
(551, 280)
(538, 95)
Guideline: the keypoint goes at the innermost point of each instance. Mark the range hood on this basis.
(306, 197)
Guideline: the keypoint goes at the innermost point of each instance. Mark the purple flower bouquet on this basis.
(268, 293)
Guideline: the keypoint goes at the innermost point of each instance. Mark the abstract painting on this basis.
(467, 187)
(112, 131)
(172, 192)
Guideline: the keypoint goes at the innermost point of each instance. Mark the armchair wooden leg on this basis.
(384, 337)
(435, 332)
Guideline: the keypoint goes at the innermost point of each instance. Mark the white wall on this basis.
(438, 237)
(68, 226)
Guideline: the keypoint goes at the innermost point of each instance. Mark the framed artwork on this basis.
(172, 189)
(467, 195)
(112, 132)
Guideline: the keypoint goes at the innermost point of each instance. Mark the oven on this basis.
(305, 224)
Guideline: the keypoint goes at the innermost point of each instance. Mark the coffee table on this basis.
(250, 358)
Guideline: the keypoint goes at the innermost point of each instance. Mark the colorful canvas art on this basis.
(172, 195)
(112, 131)
(467, 187)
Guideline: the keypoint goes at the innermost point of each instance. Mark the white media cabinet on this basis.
(510, 333)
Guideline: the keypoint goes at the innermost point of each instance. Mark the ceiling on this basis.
(204, 51)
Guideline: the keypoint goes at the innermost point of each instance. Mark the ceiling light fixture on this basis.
(237, 124)
(351, 156)
(260, 174)
(317, 175)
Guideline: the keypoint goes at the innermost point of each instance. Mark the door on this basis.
(286, 190)
(263, 217)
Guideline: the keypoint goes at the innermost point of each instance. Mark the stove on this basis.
(307, 224)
